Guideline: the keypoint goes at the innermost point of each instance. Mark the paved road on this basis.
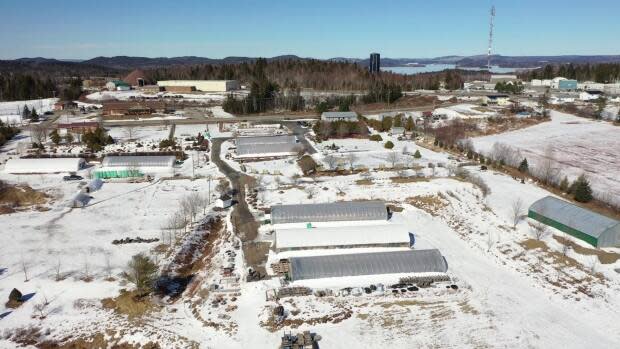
(242, 218)
(262, 118)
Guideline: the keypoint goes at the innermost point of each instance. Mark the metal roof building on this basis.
(267, 146)
(139, 161)
(591, 227)
(339, 116)
(329, 212)
(396, 262)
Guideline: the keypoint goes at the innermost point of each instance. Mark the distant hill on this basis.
(123, 64)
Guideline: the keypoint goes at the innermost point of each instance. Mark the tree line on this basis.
(602, 73)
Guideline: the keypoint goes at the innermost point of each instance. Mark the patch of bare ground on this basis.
(563, 269)
(255, 255)
(364, 182)
(411, 179)
(35, 337)
(15, 198)
(603, 256)
(129, 304)
(432, 204)
(299, 317)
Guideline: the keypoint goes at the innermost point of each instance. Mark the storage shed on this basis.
(368, 235)
(395, 262)
(591, 227)
(44, 165)
(329, 212)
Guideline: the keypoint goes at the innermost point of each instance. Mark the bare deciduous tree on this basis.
(129, 132)
(25, 267)
(539, 230)
(517, 211)
(331, 162)
(546, 171)
(310, 191)
(393, 158)
(38, 133)
(352, 160)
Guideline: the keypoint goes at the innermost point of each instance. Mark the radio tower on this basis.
(491, 25)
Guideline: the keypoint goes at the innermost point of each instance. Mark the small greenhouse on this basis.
(329, 212)
(591, 227)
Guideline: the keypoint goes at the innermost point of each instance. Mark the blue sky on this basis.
(311, 28)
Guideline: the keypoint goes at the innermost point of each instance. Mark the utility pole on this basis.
(209, 192)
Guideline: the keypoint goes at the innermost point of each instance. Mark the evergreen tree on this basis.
(417, 154)
(25, 112)
(523, 166)
(34, 117)
(410, 125)
(564, 185)
(389, 145)
(69, 138)
(582, 190)
(55, 137)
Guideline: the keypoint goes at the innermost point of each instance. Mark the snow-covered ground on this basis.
(10, 112)
(465, 111)
(514, 292)
(127, 95)
(579, 146)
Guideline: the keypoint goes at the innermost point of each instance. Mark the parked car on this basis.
(72, 177)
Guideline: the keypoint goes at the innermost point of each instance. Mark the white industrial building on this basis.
(203, 85)
(44, 165)
(590, 85)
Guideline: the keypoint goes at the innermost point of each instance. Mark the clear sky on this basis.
(309, 28)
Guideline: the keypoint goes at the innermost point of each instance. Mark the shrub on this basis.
(417, 154)
(389, 145)
(376, 138)
(141, 272)
(582, 190)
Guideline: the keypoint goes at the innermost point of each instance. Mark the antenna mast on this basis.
(491, 26)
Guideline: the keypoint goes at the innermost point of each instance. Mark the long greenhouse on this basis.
(135, 166)
(591, 227)
(396, 262)
(44, 165)
(329, 212)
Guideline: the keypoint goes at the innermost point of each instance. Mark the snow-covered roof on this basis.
(139, 161)
(329, 212)
(356, 236)
(80, 200)
(412, 261)
(46, 165)
(574, 217)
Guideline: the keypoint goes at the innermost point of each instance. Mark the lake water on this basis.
(439, 67)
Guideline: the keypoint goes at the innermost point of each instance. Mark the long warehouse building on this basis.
(591, 227)
(396, 262)
(267, 147)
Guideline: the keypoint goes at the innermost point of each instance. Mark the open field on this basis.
(578, 146)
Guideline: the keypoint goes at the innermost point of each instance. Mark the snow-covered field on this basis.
(127, 95)
(10, 111)
(514, 292)
(579, 146)
(465, 111)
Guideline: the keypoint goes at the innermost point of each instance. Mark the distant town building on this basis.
(202, 85)
(135, 78)
(375, 63)
(331, 116)
(122, 108)
(499, 99)
(503, 78)
(561, 83)
(117, 85)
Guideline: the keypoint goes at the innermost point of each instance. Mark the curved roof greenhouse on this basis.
(44, 165)
(139, 161)
(329, 212)
(396, 262)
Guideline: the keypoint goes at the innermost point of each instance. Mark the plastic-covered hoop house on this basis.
(329, 212)
(591, 227)
(396, 262)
